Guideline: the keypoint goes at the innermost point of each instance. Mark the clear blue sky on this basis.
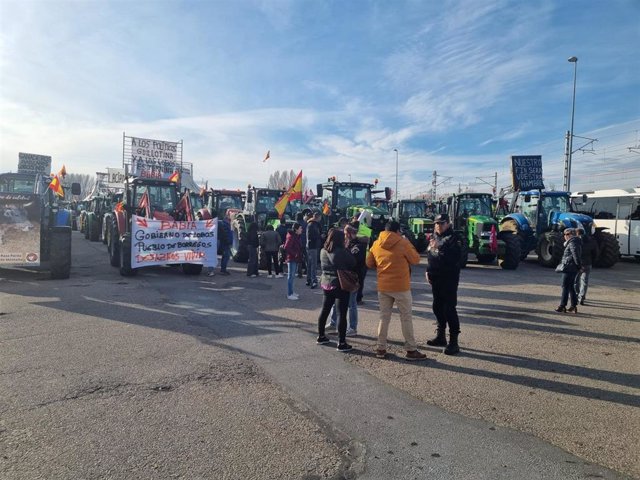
(329, 87)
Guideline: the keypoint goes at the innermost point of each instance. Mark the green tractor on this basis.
(472, 217)
(414, 222)
(348, 200)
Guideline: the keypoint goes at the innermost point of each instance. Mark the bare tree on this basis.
(284, 180)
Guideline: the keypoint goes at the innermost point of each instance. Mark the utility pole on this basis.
(435, 185)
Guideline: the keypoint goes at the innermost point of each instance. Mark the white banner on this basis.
(115, 177)
(161, 242)
(153, 158)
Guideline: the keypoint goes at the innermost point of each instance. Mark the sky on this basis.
(331, 88)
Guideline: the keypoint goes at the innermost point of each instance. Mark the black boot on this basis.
(440, 340)
(452, 347)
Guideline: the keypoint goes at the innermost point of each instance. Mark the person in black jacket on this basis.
(252, 245)
(570, 265)
(314, 242)
(333, 257)
(589, 253)
(443, 274)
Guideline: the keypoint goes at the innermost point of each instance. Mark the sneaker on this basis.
(271, 276)
(351, 332)
(292, 297)
(314, 285)
(344, 347)
(380, 353)
(254, 275)
(415, 355)
(330, 326)
(211, 274)
(296, 295)
(322, 339)
(280, 275)
(307, 283)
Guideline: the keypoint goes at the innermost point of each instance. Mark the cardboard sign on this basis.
(162, 242)
(19, 229)
(153, 158)
(33, 163)
(526, 172)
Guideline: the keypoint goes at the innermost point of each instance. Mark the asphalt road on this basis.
(168, 376)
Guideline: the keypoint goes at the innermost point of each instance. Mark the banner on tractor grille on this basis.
(161, 242)
(526, 172)
(19, 229)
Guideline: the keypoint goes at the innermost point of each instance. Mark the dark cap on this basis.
(442, 218)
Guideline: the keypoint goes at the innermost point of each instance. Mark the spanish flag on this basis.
(56, 186)
(175, 177)
(326, 209)
(294, 193)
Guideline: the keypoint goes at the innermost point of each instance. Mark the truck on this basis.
(35, 229)
(472, 217)
(538, 218)
(415, 224)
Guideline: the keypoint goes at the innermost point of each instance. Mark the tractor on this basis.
(472, 217)
(98, 206)
(538, 218)
(35, 229)
(162, 196)
(107, 218)
(349, 199)
(414, 222)
(219, 203)
(259, 208)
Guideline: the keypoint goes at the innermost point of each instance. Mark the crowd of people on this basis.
(344, 258)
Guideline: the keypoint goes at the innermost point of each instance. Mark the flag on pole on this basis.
(184, 205)
(267, 156)
(56, 186)
(175, 177)
(493, 240)
(63, 171)
(326, 209)
(294, 193)
(145, 204)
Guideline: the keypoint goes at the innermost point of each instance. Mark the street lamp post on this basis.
(569, 141)
(396, 150)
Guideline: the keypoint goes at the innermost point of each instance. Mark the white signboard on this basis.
(161, 242)
(115, 177)
(153, 158)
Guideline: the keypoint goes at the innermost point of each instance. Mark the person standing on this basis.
(282, 231)
(443, 274)
(314, 242)
(226, 239)
(359, 252)
(569, 266)
(589, 253)
(293, 257)
(333, 257)
(271, 242)
(392, 256)
(300, 219)
(252, 246)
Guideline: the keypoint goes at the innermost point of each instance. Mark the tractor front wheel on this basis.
(125, 256)
(512, 253)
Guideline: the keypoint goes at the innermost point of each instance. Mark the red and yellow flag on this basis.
(63, 171)
(56, 186)
(175, 177)
(326, 209)
(294, 193)
(267, 156)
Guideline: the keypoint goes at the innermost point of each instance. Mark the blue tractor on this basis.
(539, 217)
(35, 226)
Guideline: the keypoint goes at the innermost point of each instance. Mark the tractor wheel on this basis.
(512, 253)
(486, 259)
(60, 252)
(464, 253)
(105, 230)
(191, 268)
(523, 250)
(550, 249)
(113, 244)
(94, 233)
(125, 256)
(608, 250)
(239, 248)
(87, 227)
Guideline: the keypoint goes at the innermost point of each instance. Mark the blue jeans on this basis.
(353, 312)
(582, 282)
(291, 273)
(312, 266)
(569, 288)
(226, 254)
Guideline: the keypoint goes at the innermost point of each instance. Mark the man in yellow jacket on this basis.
(392, 256)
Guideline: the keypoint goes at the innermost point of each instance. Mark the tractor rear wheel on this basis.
(512, 253)
(60, 252)
(125, 256)
(94, 233)
(608, 249)
(550, 249)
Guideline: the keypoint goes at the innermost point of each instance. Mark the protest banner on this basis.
(115, 177)
(526, 172)
(33, 163)
(154, 158)
(19, 229)
(162, 242)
